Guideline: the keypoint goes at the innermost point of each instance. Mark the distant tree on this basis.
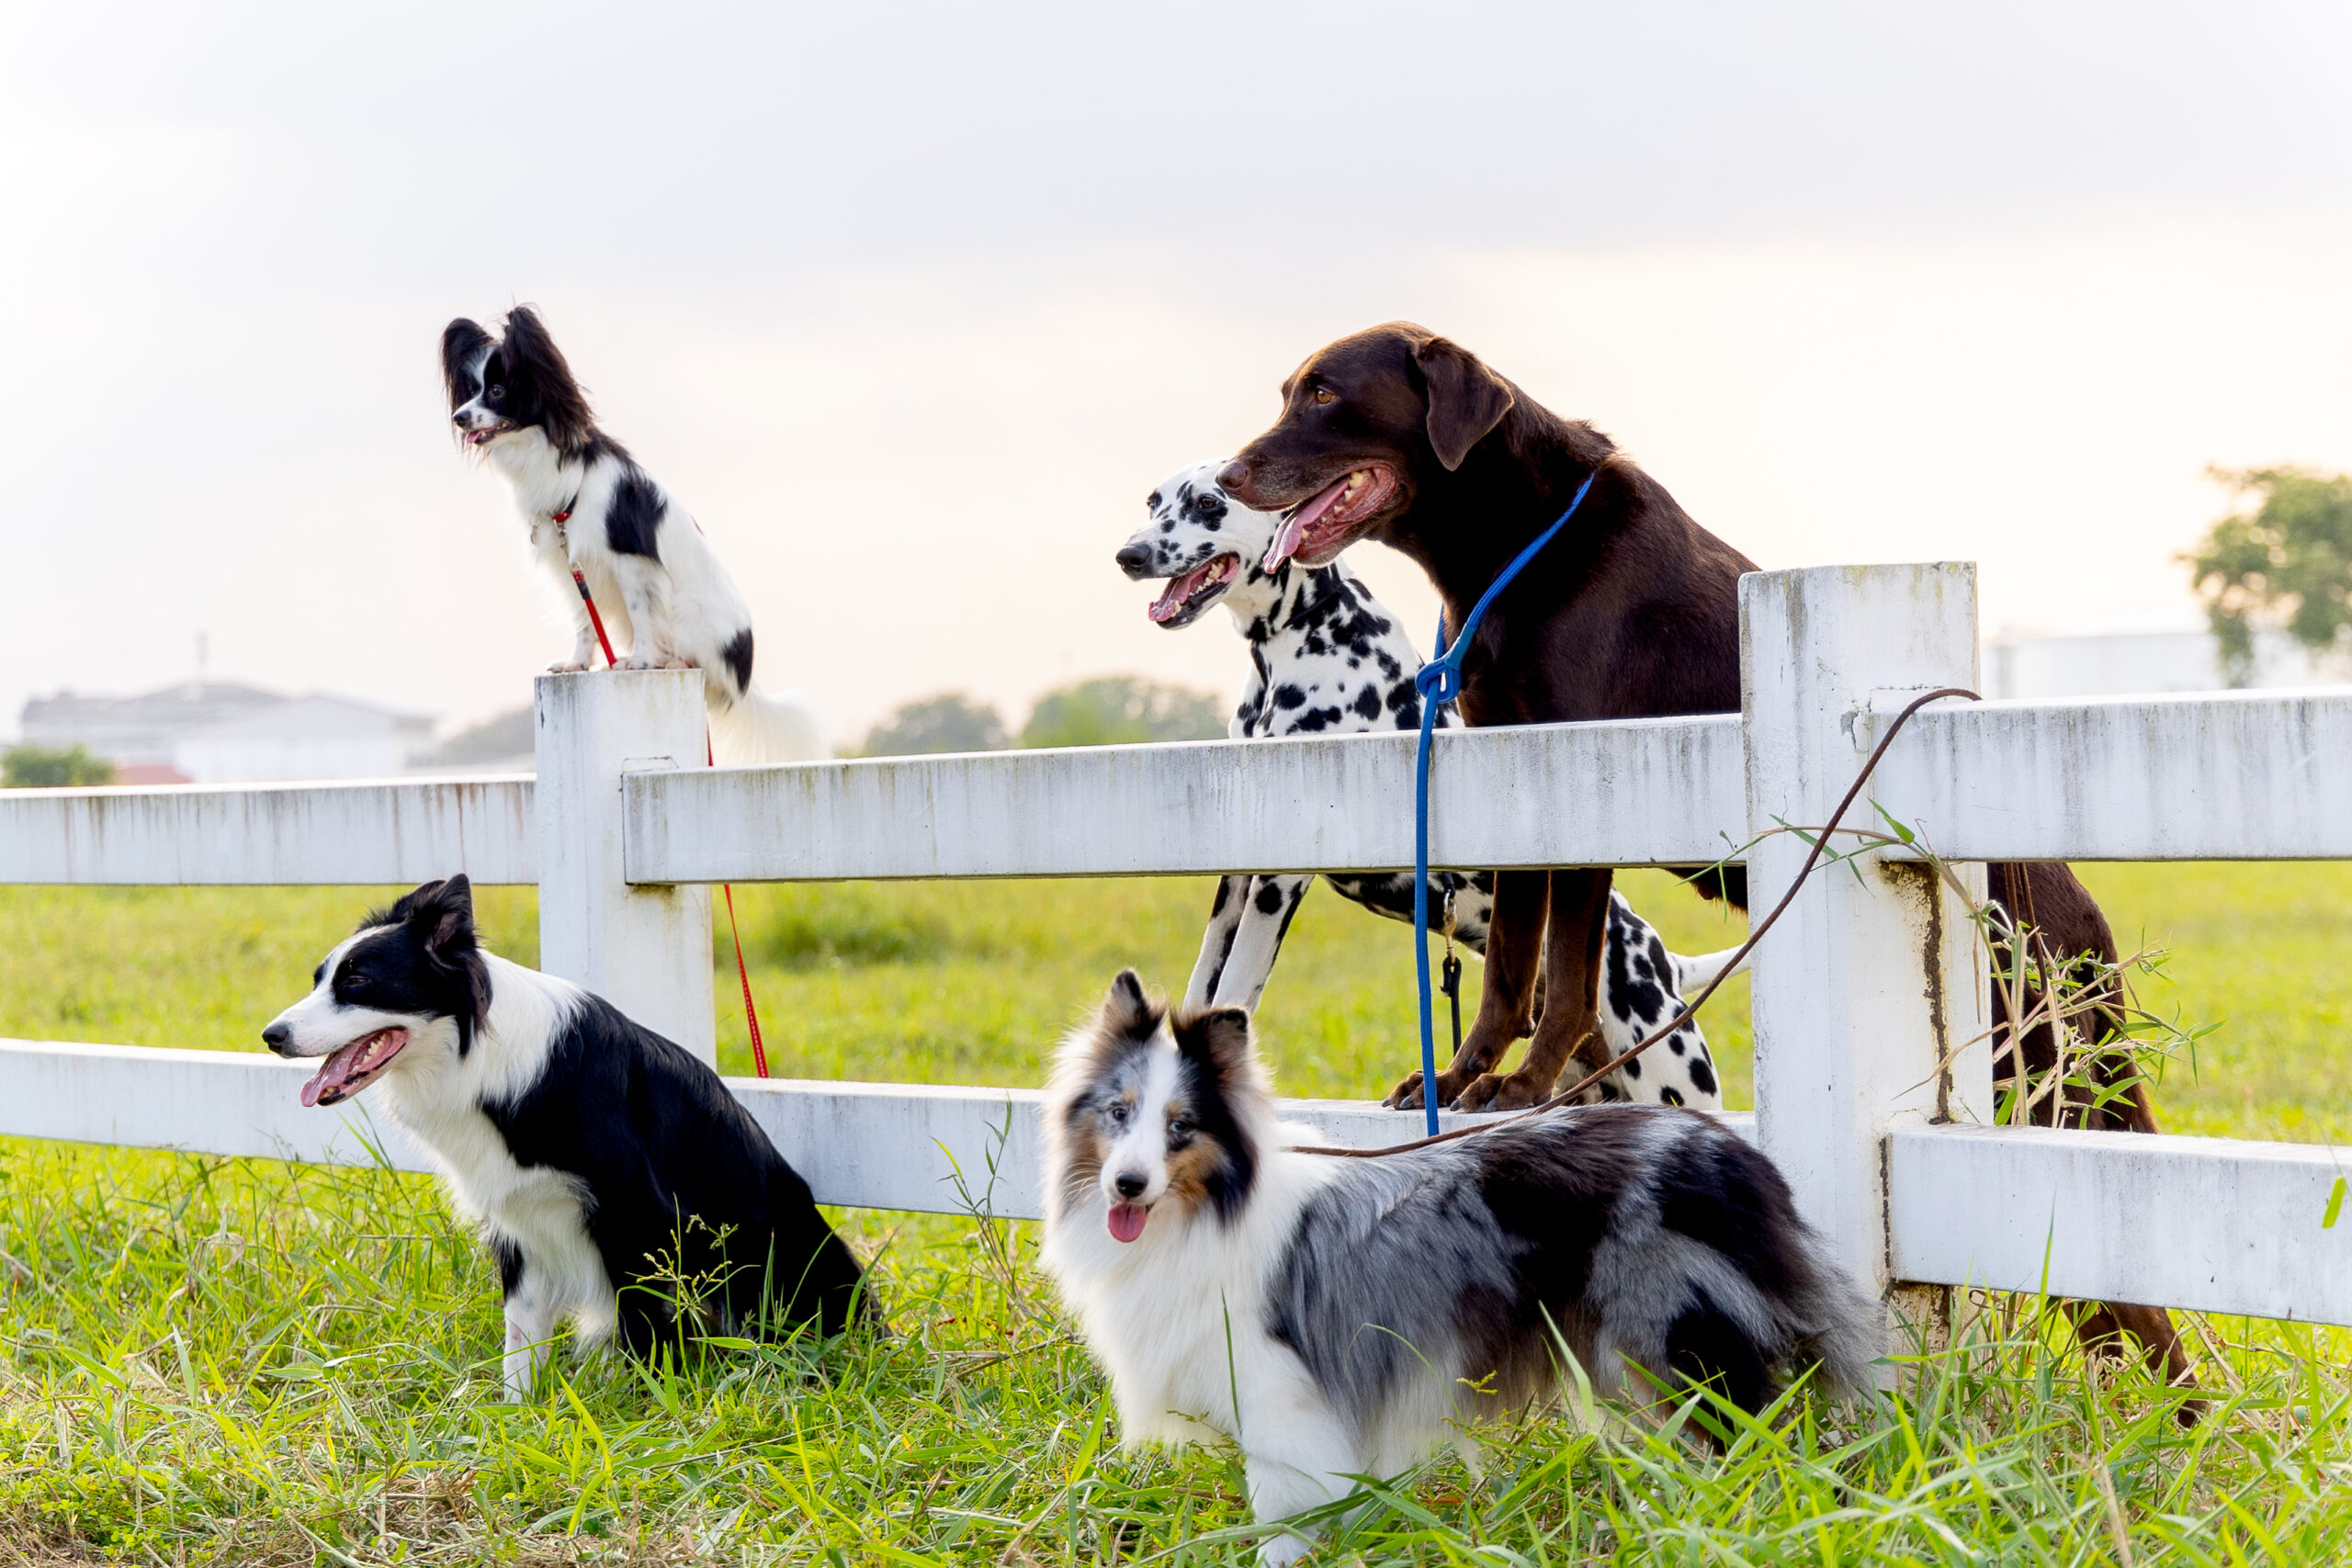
(2286, 563)
(1120, 709)
(52, 767)
(948, 722)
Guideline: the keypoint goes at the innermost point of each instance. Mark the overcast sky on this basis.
(913, 305)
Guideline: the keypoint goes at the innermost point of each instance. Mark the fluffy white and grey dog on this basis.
(609, 1169)
(1326, 658)
(1335, 1317)
(666, 599)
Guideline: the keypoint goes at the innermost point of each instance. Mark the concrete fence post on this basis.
(1870, 990)
(645, 950)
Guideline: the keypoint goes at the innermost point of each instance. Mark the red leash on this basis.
(742, 970)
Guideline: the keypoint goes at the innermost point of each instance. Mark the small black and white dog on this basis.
(593, 1153)
(666, 599)
(1334, 1317)
(1327, 658)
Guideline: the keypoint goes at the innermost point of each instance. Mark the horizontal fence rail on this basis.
(367, 832)
(936, 1149)
(2217, 1225)
(1642, 792)
(2241, 775)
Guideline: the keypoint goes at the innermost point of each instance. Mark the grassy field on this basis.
(226, 1362)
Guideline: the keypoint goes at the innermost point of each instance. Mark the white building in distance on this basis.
(214, 732)
(2142, 663)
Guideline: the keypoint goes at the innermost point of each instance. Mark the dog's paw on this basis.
(671, 661)
(1502, 1091)
(566, 668)
(1407, 1095)
(639, 662)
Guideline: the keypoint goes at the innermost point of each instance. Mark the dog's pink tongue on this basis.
(1126, 1221)
(363, 1055)
(331, 1072)
(1171, 599)
(1287, 540)
(1295, 526)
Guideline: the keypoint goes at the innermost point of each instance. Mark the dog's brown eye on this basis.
(498, 391)
(1325, 395)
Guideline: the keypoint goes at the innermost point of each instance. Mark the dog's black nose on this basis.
(1130, 1185)
(278, 1037)
(1134, 559)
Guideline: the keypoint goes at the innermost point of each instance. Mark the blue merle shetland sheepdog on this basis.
(1333, 1316)
(665, 597)
(617, 1181)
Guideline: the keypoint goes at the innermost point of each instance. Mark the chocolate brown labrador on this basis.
(1403, 436)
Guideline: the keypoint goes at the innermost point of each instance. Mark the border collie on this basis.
(592, 1152)
(1328, 658)
(666, 599)
(1335, 1316)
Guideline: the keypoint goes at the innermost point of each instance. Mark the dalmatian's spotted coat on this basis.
(1326, 658)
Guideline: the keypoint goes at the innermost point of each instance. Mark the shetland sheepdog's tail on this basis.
(762, 726)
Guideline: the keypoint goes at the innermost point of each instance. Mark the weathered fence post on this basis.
(1868, 986)
(645, 950)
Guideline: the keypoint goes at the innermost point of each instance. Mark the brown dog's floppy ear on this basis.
(1467, 399)
(1127, 1012)
(1219, 1037)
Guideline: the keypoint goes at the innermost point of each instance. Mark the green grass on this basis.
(243, 1362)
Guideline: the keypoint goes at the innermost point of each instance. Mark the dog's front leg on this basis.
(583, 630)
(530, 1327)
(645, 589)
(583, 649)
(1217, 941)
(1268, 905)
(1290, 1467)
(1506, 996)
(1577, 921)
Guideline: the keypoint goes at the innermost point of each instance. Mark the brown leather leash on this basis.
(1755, 935)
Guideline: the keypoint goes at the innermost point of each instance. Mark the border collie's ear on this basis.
(1219, 1037)
(1467, 399)
(1127, 1012)
(442, 914)
(532, 356)
(462, 340)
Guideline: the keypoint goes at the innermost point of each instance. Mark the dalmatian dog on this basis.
(1326, 658)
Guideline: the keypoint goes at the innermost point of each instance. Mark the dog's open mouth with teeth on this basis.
(350, 1069)
(1182, 602)
(1315, 530)
(483, 435)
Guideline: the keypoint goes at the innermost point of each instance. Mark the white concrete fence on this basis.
(1860, 995)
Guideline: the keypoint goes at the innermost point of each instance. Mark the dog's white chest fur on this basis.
(542, 1213)
(539, 1215)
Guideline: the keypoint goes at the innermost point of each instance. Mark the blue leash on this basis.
(1439, 683)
